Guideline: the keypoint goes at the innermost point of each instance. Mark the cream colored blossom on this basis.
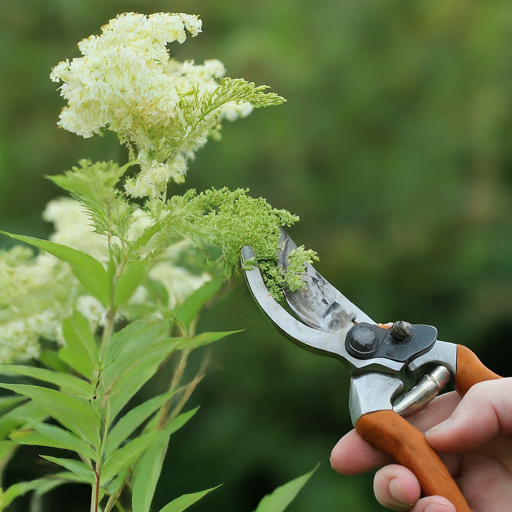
(34, 299)
(74, 229)
(92, 309)
(153, 178)
(121, 81)
(18, 342)
(164, 109)
(38, 292)
(179, 282)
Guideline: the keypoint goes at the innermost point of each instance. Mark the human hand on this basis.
(474, 441)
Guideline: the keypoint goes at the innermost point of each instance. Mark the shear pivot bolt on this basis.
(363, 340)
(401, 330)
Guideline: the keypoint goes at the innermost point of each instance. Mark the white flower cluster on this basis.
(121, 81)
(74, 229)
(35, 291)
(127, 82)
(39, 291)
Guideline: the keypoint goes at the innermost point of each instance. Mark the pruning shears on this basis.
(396, 369)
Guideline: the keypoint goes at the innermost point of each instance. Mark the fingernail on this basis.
(437, 507)
(397, 492)
(444, 425)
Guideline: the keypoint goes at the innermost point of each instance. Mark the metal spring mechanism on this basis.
(423, 393)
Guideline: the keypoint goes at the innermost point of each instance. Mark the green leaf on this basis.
(75, 413)
(127, 343)
(129, 281)
(126, 456)
(49, 486)
(7, 403)
(84, 472)
(55, 437)
(183, 502)
(202, 339)
(86, 269)
(81, 350)
(137, 353)
(147, 235)
(283, 496)
(51, 360)
(67, 383)
(180, 421)
(146, 474)
(133, 419)
(156, 291)
(26, 416)
(6, 448)
(115, 484)
(17, 490)
(188, 310)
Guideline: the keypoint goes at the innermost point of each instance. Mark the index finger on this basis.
(352, 455)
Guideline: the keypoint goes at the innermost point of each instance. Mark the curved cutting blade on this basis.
(319, 304)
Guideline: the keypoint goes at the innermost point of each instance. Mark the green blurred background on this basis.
(395, 148)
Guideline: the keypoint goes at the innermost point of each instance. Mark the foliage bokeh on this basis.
(395, 148)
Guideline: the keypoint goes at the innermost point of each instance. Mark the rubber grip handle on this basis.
(470, 370)
(406, 445)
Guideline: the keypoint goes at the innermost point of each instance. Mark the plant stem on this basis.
(178, 374)
(189, 390)
(113, 500)
(96, 490)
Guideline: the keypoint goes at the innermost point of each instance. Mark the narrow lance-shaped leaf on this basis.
(283, 496)
(86, 269)
(180, 421)
(185, 501)
(128, 342)
(140, 370)
(51, 360)
(129, 281)
(67, 383)
(17, 490)
(85, 473)
(147, 235)
(81, 350)
(202, 339)
(7, 403)
(26, 416)
(6, 448)
(126, 456)
(55, 437)
(117, 482)
(188, 310)
(133, 419)
(74, 413)
(146, 474)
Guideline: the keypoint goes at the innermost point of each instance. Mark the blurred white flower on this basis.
(92, 309)
(39, 291)
(74, 229)
(178, 282)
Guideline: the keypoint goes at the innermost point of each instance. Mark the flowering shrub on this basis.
(116, 290)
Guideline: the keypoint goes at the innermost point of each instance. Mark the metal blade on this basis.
(319, 304)
(314, 339)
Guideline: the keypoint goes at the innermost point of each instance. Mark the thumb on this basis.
(484, 412)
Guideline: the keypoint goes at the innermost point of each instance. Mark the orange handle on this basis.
(405, 444)
(470, 370)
